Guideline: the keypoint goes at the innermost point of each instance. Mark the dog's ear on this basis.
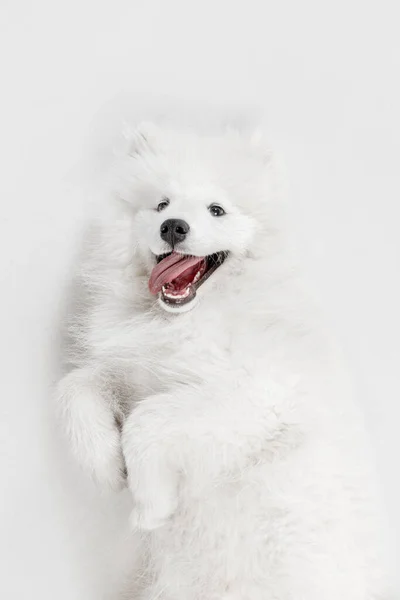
(259, 146)
(141, 138)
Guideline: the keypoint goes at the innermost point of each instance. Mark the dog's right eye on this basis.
(163, 204)
(216, 210)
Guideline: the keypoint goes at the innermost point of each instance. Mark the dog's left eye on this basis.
(216, 210)
(163, 204)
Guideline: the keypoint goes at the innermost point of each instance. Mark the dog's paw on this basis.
(93, 433)
(152, 477)
(154, 487)
(105, 460)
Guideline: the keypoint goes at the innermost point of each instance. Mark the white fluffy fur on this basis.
(243, 449)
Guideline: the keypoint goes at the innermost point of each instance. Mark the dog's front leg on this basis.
(90, 417)
(192, 431)
(152, 472)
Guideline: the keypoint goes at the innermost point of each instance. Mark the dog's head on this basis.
(200, 207)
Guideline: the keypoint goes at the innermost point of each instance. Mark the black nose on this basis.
(174, 231)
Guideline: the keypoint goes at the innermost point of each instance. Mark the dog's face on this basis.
(191, 219)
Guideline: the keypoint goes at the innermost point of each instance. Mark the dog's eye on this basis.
(163, 204)
(216, 210)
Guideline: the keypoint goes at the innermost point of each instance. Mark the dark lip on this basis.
(214, 261)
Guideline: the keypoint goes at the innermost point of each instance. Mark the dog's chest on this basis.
(180, 352)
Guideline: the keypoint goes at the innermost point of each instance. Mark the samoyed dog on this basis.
(201, 377)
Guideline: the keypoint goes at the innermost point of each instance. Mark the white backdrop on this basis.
(326, 74)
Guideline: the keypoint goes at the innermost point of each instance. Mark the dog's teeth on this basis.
(197, 277)
(176, 296)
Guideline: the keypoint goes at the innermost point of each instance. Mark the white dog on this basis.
(200, 369)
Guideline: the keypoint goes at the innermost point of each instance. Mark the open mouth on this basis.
(177, 277)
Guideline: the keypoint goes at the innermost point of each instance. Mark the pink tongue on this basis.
(170, 268)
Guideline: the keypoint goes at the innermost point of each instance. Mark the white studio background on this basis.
(326, 76)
